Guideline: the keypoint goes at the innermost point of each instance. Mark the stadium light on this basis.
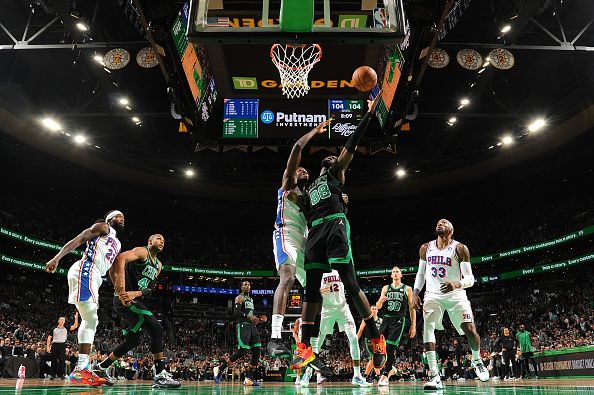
(82, 27)
(536, 125)
(400, 173)
(98, 58)
(124, 101)
(507, 140)
(80, 139)
(135, 119)
(189, 173)
(452, 120)
(51, 124)
(464, 102)
(505, 28)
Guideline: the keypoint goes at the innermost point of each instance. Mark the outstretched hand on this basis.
(51, 265)
(321, 128)
(372, 104)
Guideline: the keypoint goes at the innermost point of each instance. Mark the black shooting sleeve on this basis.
(238, 312)
(355, 138)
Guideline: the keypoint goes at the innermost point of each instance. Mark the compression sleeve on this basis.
(420, 279)
(238, 312)
(355, 138)
(467, 276)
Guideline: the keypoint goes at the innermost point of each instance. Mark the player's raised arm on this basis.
(420, 278)
(289, 176)
(467, 279)
(98, 229)
(117, 272)
(348, 151)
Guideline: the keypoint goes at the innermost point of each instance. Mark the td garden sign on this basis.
(251, 83)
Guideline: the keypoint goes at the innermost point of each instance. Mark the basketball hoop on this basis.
(294, 62)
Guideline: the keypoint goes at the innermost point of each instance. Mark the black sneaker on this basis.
(277, 349)
(319, 366)
(109, 380)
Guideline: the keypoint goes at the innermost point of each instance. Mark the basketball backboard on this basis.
(297, 21)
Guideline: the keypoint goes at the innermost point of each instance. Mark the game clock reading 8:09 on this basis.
(346, 115)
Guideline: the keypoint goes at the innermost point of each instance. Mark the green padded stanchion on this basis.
(297, 15)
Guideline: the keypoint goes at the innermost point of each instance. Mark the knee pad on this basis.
(255, 357)
(428, 332)
(312, 288)
(131, 341)
(89, 321)
(157, 341)
(349, 279)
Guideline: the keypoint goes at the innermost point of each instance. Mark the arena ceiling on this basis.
(55, 75)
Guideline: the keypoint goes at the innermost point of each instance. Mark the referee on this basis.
(56, 345)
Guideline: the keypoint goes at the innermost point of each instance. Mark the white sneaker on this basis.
(320, 379)
(360, 381)
(434, 383)
(480, 370)
(383, 381)
(304, 382)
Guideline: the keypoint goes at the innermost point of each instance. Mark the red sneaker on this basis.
(304, 355)
(87, 377)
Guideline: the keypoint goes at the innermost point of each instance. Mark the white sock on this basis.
(476, 355)
(356, 370)
(432, 362)
(277, 325)
(83, 361)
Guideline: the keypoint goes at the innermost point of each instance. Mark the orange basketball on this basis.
(364, 78)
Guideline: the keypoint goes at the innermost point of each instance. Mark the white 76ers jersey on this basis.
(100, 253)
(443, 266)
(336, 297)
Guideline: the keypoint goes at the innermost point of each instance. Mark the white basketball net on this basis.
(294, 62)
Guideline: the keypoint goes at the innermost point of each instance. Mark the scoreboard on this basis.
(265, 118)
(240, 119)
(346, 115)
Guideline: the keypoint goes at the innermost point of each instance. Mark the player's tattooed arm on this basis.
(467, 280)
(117, 273)
(383, 297)
(98, 229)
(290, 174)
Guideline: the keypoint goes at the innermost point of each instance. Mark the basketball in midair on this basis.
(364, 78)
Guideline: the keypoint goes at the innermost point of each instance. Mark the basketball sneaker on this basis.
(379, 352)
(480, 369)
(433, 384)
(277, 349)
(303, 356)
(360, 381)
(306, 377)
(103, 373)
(383, 381)
(251, 382)
(320, 378)
(216, 371)
(165, 380)
(85, 376)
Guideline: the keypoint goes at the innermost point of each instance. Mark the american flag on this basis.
(217, 21)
